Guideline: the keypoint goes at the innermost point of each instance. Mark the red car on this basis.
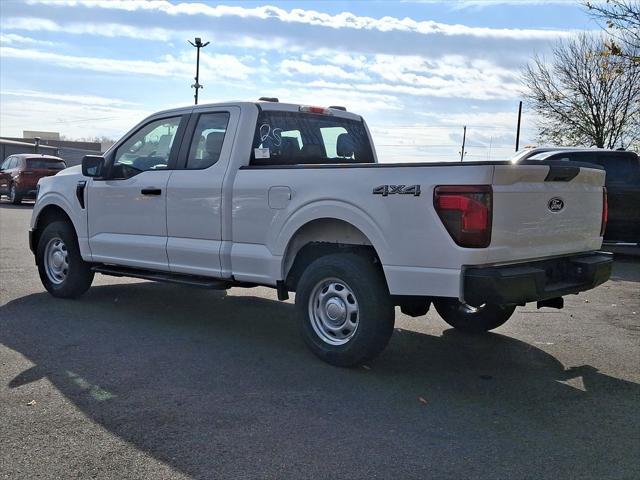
(19, 174)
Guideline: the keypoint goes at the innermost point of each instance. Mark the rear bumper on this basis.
(535, 281)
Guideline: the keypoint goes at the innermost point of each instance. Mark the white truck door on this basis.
(127, 211)
(194, 192)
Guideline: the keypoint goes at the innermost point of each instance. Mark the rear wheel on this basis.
(473, 319)
(62, 270)
(345, 310)
(14, 196)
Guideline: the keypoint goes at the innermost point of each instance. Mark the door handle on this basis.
(151, 191)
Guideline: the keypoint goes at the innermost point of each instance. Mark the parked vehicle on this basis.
(19, 174)
(622, 182)
(293, 197)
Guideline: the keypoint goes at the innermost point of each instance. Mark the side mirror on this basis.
(92, 166)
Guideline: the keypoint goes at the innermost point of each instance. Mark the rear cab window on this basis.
(45, 163)
(298, 138)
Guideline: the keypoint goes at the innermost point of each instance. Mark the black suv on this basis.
(622, 182)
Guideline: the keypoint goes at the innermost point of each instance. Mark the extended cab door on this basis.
(127, 209)
(195, 192)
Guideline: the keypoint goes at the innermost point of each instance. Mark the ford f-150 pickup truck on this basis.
(293, 197)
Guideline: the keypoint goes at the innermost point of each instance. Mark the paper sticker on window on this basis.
(261, 153)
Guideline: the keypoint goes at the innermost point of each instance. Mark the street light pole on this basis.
(464, 141)
(198, 44)
(518, 127)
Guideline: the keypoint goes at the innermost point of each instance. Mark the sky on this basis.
(417, 70)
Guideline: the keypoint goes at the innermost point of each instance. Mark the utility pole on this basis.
(198, 46)
(464, 140)
(518, 128)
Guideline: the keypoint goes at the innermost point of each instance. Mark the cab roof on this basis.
(260, 104)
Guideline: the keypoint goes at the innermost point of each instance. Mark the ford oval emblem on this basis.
(555, 204)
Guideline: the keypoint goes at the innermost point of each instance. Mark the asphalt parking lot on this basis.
(145, 380)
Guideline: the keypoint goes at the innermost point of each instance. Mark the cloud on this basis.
(460, 4)
(450, 76)
(219, 66)
(292, 67)
(69, 116)
(344, 20)
(12, 38)
(438, 136)
(451, 90)
(69, 98)
(110, 30)
(356, 101)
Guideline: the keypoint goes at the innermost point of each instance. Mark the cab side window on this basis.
(207, 141)
(147, 149)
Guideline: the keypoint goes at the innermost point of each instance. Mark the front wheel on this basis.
(62, 271)
(473, 319)
(345, 310)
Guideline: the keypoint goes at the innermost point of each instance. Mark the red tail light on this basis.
(605, 211)
(465, 211)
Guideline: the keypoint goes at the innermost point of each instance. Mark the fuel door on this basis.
(279, 197)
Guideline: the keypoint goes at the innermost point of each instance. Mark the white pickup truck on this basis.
(293, 197)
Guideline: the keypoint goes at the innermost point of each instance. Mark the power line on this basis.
(443, 145)
(448, 127)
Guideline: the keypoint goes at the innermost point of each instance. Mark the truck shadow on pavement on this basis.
(219, 385)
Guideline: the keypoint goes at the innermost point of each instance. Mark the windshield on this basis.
(49, 163)
(290, 138)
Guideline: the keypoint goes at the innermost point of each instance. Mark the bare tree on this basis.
(585, 96)
(621, 18)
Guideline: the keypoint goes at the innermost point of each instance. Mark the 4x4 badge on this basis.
(385, 190)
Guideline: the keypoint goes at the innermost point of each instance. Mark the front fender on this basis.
(69, 205)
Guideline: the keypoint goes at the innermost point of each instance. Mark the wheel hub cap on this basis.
(56, 261)
(333, 311)
(336, 310)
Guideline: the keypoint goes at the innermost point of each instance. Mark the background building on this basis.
(49, 143)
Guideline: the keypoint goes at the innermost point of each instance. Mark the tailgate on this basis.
(545, 210)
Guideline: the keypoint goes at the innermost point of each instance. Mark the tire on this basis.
(474, 320)
(351, 317)
(62, 271)
(14, 196)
